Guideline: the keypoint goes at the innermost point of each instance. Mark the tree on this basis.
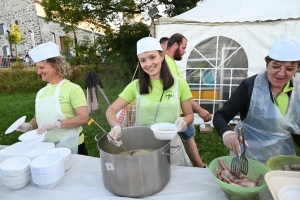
(102, 12)
(15, 36)
(120, 47)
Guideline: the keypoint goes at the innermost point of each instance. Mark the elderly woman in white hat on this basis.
(268, 104)
(159, 96)
(60, 107)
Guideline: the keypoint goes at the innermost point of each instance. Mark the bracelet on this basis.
(59, 123)
(227, 133)
(30, 126)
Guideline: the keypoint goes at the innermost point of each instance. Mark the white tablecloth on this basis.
(83, 181)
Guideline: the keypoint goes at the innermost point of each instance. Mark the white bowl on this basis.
(15, 179)
(46, 164)
(44, 145)
(15, 164)
(68, 164)
(50, 185)
(18, 185)
(15, 125)
(43, 179)
(32, 137)
(63, 151)
(34, 153)
(164, 131)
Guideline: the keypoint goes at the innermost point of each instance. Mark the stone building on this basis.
(29, 16)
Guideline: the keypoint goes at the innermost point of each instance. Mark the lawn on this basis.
(16, 105)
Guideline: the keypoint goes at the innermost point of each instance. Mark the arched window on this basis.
(215, 67)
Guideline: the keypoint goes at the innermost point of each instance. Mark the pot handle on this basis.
(97, 136)
(168, 154)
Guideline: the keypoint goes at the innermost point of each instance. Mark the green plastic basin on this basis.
(241, 193)
(277, 162)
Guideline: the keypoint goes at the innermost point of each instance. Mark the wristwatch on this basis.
(59, 122)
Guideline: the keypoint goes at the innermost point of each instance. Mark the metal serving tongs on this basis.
(91, 120)
(244, 160)
(236, 162)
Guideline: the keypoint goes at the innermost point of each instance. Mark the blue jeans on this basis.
(188, 133)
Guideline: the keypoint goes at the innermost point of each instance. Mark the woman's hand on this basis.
(48, 127)
(180, 124)
(231, 141)
(114, 135)
(23, 127)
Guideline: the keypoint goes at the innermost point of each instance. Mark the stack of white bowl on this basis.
(32, 137)
(15, 172)
(47, 171)
(65, 154)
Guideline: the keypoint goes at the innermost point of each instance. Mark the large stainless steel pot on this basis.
(140, 175)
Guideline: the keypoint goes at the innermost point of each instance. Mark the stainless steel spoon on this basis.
(130, 153)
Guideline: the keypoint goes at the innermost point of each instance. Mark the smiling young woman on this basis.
(159, 96)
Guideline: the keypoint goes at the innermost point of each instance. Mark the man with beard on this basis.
(175, 50)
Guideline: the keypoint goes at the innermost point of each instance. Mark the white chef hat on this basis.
(44, 51)
(286, 48)
(147, 44)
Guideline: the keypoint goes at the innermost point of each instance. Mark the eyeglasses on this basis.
(277, 68)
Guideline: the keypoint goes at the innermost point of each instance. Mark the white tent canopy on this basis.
(214, 11)
(249, 27)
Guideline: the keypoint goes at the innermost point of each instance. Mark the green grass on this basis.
(15, 105)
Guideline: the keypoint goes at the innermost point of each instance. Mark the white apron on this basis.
(148, 113)
(48, 110)
(267, 131)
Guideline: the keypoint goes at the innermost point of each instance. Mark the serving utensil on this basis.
(236, 162)
(129, 152)
(244, 160)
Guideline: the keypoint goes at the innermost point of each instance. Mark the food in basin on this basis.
(284, 162)
(236, 191)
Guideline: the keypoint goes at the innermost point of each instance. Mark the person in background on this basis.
(163, 43)
(268, 104)
(175, 50)
(61, 106)
(159, 97)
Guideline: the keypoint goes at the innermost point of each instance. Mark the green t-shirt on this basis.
(173, 66)
(71, 96)
(282, 101)
(184, 93)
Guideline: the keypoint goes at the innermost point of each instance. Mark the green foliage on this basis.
(86, 52)
(18, 64)
(68, 42)
(19, 80)
(120, 47)
(101, 12)
(27, 79)
(15, 36)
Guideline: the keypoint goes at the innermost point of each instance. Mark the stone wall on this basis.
(33, 26)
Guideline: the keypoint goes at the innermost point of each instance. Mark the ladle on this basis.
(130, 153)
